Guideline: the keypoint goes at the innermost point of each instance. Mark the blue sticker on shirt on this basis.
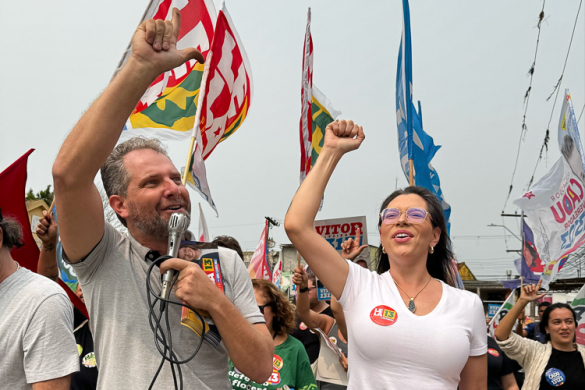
(555, 377)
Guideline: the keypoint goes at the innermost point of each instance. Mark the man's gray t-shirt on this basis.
(36, 331)
(113, 280)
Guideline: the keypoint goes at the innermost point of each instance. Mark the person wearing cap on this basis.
(36, 326)
(532, 330)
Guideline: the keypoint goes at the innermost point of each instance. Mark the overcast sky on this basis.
(471, 61)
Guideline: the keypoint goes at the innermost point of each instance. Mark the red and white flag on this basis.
(306, 125)
(226, 88)
(277, 271)
(259, 267)
(203, 231)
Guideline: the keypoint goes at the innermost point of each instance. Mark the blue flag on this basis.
(413, 143)
(66, 272)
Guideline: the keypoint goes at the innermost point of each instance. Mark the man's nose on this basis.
(172, 188)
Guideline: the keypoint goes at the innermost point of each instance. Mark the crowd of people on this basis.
(403, 325)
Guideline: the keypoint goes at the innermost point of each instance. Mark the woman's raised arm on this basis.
(340, 137)
(528, 294)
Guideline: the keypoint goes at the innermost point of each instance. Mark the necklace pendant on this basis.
(411, 305)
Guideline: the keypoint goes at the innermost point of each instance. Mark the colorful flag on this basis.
(259, 267)
(227, 86)
(569, 139)
(553, 222)
(167, 108)
(322, 113)
(12, 203)
(578, 305)
(197, 176)
(66, 271)
(306, 102)
(553, 208)
(413, 142)
(203, 231)
(504, 309)
(277, 272)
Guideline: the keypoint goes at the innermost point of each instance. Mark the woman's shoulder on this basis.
(291, 342)
(461, 294)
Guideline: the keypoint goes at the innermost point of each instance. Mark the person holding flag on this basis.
(559, 362)
(409, 327)
(145, 189)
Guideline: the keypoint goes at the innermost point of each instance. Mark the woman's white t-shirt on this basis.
(391, 348)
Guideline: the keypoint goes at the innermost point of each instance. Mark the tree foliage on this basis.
(47, 195)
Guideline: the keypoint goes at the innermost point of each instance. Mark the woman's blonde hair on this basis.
(284, 311)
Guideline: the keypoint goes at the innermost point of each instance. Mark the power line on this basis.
(557, 89)
(526, 100)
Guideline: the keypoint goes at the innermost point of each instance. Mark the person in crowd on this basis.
(408, 328)
(500, 368)
(350, 250)
(37, 346)
(144, 189)
(291, 367)
(189, 250)
(86, 377)
(230, 243)
(532, 330)
(302, 331)
(330, 370)
(559, 362)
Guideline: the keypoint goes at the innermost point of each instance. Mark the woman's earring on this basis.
(432, 250)
(383, 250)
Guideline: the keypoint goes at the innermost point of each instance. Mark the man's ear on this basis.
(1, 238)
(118, 204)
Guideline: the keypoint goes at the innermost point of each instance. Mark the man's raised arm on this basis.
(91, 141)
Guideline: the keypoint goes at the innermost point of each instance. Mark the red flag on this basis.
(259, 267)
(306, 125)
(226, 85)
(12, 203)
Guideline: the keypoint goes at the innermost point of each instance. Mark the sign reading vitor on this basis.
(336, 231)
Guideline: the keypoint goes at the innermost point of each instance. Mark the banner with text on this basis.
(336, 231)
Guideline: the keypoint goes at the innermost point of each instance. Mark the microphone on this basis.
(178, 224)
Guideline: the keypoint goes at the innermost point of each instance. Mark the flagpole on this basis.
(298, 260)
(200, 98)
(410, 172)
(121, 62)
(188, 163)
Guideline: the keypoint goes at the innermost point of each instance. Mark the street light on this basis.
(511, 232)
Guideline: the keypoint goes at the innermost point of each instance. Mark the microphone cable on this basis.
(162, 341)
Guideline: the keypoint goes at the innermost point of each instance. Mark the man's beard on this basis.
(150, 222)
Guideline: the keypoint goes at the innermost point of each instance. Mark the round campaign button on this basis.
(493, 352)
(383, 315)
(302, 326)
(555, 377)
(277, 362)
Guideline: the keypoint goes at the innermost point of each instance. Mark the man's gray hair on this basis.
(114, 174)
